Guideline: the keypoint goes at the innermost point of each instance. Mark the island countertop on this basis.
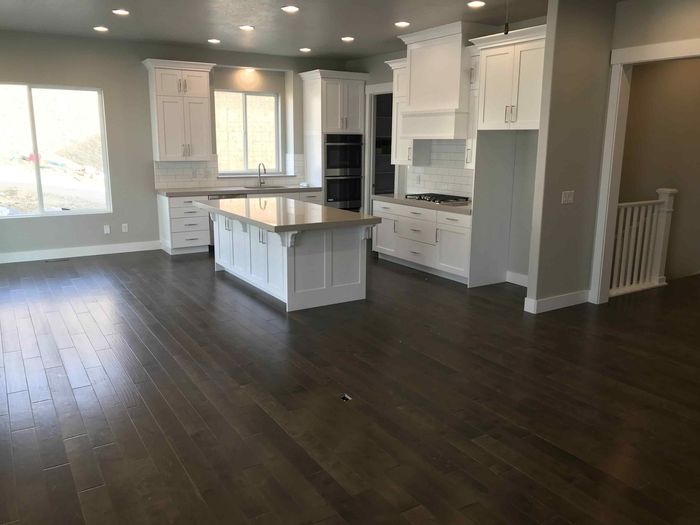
(280, 214)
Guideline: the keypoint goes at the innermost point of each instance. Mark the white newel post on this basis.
(663, 230)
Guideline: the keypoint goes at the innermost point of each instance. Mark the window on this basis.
(53, 157)
(247, 131)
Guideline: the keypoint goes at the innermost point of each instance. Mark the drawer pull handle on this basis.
(385, 207)
(416, 213)
(191, 224)
(190, 212)
(187, 202)
(415, 253)
(451, 219)
(192, 239)
(414, 230)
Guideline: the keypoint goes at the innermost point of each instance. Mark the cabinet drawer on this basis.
(189, 224)
(417, 213)
(379, 207)
(188, 239)
(454, 219)
(182, 202)
(311, 196)
(422, 231)
(179, 213)
(417, 252)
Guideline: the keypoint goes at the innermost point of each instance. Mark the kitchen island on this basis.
(302, 253)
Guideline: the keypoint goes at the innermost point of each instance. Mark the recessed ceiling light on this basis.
(291, 9)
(348, 38)
(250, 70)
(246, 28)
(214, 41)
(474, 4)
(305, 49)
(402, 24)
(120, 12)
(101, 29)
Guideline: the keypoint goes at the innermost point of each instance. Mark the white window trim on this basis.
(279, 172)
(35, 149)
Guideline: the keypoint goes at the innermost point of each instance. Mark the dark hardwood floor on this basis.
(140, 389)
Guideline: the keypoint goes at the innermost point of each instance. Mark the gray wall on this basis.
(640, 22)
(576, 81)
(521, 210)
(115, 67)
(661, 150)
(378, 71)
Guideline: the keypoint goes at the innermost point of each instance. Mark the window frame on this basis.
(37, 164)
(278, 135)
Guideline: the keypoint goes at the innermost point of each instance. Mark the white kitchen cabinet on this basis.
(334, 101)
(470, 150)
(384, 236)
(510, 79)
(258, 254)
(224, 242)
(241, 247)
(435, 240)
(404, 151)
(183, 227)
(180, 110)
(453, 249)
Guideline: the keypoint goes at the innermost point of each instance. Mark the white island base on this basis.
(304, 267)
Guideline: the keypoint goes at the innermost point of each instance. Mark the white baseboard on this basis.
(516, 278)
(78, 251)
(538, 306)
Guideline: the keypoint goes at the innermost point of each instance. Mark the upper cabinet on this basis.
(334, 102)
(511, 68)
(436, 83)
(180, 110)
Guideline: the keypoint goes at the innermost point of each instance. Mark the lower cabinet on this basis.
(441, 241)
(384, 237)
(254, 254)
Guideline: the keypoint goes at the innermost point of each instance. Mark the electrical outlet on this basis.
(125, 228)
(567, 197)
(107, 229)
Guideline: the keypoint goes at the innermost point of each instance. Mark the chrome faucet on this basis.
(260, 181)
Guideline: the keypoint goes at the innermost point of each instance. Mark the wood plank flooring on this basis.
(137, 388)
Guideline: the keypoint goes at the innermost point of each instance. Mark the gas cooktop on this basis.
(438, 198)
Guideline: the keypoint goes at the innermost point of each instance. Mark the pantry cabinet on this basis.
(180, 110)
(511, 68)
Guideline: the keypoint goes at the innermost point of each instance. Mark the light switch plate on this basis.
(125, 228)
(567, 197)
(107, 229)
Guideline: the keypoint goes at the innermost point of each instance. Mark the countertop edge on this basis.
(461, 210)
(366, 221)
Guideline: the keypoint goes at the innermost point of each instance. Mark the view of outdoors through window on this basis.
(247, 131)
(69, 151)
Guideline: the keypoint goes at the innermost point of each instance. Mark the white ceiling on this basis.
(318, 25)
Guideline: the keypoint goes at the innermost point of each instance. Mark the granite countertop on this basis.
(280, 214)
(463, 209)
(195, 192)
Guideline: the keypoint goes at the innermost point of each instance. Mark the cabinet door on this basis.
(495, 87)
(224, 241)
(333, 106)
(241, 247)
(195, 83)
(197, 128)
(384, 237)
(258, 255)
(470, 152)
(400, 148)
(276, 267)
(168, 82)
(528, 68)
(171, 128)
(453, 250)
(354, 100)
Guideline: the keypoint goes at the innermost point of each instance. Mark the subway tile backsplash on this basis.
(446, 173)
(205, 174)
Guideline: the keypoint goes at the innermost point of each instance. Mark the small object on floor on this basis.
(345, 397)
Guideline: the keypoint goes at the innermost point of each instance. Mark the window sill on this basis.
(53, 215)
